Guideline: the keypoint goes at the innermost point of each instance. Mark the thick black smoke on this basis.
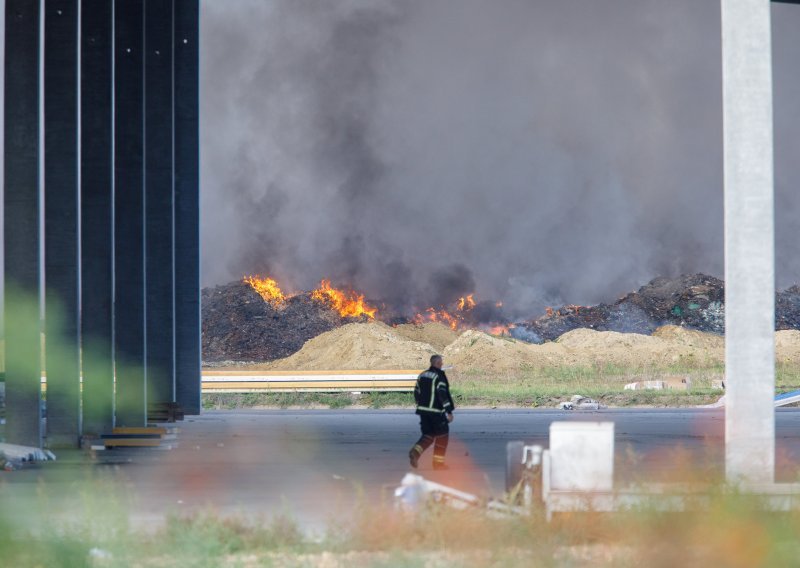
(536, 152)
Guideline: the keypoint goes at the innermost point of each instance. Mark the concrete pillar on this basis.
(187, 206)
(21, 217)
(749, 241)
(61, 239)
(159, 214)
(129, 301)
(97, 238)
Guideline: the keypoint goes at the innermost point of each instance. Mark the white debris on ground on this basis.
(13, 456)
(578, 402)
(415, 492)
(100, 557)
(719, 404)
(671, 383)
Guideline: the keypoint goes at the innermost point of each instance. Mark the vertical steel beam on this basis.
(129, 291)
(21, 229)
(159, 214)
(97, 183)
(749, 241)
(187, 206)
(61, 239)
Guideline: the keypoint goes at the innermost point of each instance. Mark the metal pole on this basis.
(21, 228)
(97, 236)
(187, 206)
(159, 203)
(61, 239)
(749, 241)
(129, 300)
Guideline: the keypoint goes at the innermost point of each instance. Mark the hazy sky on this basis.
(538, 151)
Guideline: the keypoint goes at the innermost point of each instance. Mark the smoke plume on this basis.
(534, 152)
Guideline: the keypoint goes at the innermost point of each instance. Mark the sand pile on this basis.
(478, 351)
(433, 333)
(787, 346)
(633, 350)
(378, 346)
(475, 350)
(690, 337)
(586, 340)
(357, 346)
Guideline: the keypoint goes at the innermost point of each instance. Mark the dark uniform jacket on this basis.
(432, 393)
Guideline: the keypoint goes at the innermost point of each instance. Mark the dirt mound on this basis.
(633, 350)
(787, 346)
(690, 337)
(592, 340)
(378, 346)
(358, 346)
(478, 351)
(436, 334)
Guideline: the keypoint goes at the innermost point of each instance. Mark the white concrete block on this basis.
(581, 456)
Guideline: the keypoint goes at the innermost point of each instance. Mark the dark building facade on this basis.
(110, 195)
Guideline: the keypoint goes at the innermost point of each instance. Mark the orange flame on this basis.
(466, 303)
(267, 288)
(453, 320)
(348, 303)
(440, 316)
(501, 329)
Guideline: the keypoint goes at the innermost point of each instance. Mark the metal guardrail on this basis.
(787, 398)
(229, 381)
(237, 382)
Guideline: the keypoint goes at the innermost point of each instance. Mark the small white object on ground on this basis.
(14, 452)
(578, 402)
(414, 491)
(96, 554)
(646, 385)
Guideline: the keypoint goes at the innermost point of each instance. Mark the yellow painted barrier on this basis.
(240, 381)
(248, 381)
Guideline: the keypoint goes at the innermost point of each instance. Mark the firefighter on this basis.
(435, 409)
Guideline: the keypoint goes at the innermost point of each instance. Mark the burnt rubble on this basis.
(238, 325)
(787, 309)
(695, 301)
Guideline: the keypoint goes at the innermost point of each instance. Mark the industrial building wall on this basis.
(121, 187)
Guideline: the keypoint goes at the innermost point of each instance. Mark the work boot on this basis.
(413, 458)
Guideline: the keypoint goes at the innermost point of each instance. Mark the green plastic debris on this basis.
(677, 311)
(693, 306)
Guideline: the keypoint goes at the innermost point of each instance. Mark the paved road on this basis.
(313, 463)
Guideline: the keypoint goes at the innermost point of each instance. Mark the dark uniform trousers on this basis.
(436, 431)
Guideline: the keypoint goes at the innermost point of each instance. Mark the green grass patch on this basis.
(225, 401)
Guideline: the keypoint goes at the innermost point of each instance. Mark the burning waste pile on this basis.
(255, 320)
(693, 301)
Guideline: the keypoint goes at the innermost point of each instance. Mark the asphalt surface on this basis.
(315, 464)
